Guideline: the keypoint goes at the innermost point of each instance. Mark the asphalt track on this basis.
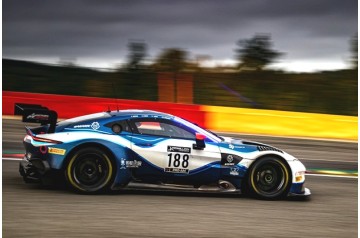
(30, 210)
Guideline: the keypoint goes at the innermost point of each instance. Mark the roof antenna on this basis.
(115, 98)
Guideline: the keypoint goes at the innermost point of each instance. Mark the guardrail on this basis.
(225, 119)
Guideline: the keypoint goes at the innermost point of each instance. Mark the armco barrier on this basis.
(225, 119)
(281, 123)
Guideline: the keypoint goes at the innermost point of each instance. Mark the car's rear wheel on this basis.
(269, 178)
(89, 170)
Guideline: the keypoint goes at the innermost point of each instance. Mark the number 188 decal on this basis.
(178, 163)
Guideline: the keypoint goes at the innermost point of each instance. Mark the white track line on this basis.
(12, 159)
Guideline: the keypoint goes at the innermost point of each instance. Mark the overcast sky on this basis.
(313, 34)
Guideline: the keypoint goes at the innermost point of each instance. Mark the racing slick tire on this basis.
(269, 178)
(89, 170)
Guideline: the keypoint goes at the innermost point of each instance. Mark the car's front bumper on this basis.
(306, 193)
(299, 190)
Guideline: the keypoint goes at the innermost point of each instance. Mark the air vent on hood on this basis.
(266, 148)
(261, 147)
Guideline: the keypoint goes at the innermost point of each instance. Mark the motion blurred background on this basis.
(287, 55)
(268, 67)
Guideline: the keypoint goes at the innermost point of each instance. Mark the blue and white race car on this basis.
(117, 149)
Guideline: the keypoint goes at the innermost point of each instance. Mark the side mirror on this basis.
(200, 142)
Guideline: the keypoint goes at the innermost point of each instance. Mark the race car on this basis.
(143, 148)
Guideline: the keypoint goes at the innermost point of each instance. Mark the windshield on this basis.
(209, 134)
(221, 138)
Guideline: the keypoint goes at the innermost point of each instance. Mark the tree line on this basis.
(252, 54)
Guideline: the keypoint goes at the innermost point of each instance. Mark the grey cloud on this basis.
(301, 28)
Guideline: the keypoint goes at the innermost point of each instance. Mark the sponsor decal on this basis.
(82, 126)
(230, 159)
(178, 149)
(38, 116)
(234, 171)
(133, 164)
(177, 170)
(130, 163)
(56, 151)
(95, 125)
(122, 164)
(231, 146)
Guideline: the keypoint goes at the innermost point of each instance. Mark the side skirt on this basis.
(222, 187)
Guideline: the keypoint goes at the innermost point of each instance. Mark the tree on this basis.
(256, 53)
(354, 51)
(137, 53)
(171, 60)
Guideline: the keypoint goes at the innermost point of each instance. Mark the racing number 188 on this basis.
(176, 162)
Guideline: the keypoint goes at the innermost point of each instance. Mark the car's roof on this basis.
(115, 114)
(133, 112)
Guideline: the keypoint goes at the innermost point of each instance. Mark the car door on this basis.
(168, 152)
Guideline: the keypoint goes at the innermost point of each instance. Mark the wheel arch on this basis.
(270, 155)
(91, 145)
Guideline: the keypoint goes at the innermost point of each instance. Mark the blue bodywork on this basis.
(129, 149)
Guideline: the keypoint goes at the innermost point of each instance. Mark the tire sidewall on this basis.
(69, 171)
(255, 191)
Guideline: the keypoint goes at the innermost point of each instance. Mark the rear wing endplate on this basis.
(35, 113)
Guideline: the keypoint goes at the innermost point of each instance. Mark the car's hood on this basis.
(246, 146)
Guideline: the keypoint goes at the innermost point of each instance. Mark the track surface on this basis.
(33, 211)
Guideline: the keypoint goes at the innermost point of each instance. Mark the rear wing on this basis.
(35, 113)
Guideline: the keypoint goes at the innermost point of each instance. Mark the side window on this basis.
(162, 128)
(176, 131)
(149, 128)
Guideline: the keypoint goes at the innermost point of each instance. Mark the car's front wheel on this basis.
(269, 178)
(89, 170)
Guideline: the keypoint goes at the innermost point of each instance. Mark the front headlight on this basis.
(299, 176)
